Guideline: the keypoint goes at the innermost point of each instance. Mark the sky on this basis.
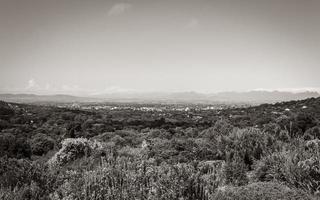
(106, 46)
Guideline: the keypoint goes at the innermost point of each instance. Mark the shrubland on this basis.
(271, 151)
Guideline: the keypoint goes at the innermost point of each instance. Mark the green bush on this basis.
(221, 127)
(73, 149)
(271, 167)
(297, 168)
(14, 147)
(312, 133)
(6, 110)
(248, 144)
(235, 172)
(302, 167)
(41, 144)
(23, 179)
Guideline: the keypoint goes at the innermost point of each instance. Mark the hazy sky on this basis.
(98, 46)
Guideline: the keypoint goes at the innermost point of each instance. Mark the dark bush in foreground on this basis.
(23, 179)
(41, 144)
(11, 146)
(312, 133)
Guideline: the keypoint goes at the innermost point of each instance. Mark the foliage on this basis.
(13, 146)
(23, 179)
(129, 179)
(220, 128)
(298, 168)
(248, 144)
(73, 149)
(261, 191)
(41, 144)
(271, 167)
(6, 110)
(235, 172)
(312, 133)
(270, 151)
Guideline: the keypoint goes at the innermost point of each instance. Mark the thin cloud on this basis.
(119, 8)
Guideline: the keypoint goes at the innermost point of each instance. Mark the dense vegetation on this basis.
(271, 151)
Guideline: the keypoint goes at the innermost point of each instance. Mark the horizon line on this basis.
(82, 94)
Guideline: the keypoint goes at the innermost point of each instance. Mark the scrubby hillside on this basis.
(269, 151)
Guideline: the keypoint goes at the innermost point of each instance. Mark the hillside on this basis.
(199, 154)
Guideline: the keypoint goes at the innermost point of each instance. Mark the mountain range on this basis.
(162, 97)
